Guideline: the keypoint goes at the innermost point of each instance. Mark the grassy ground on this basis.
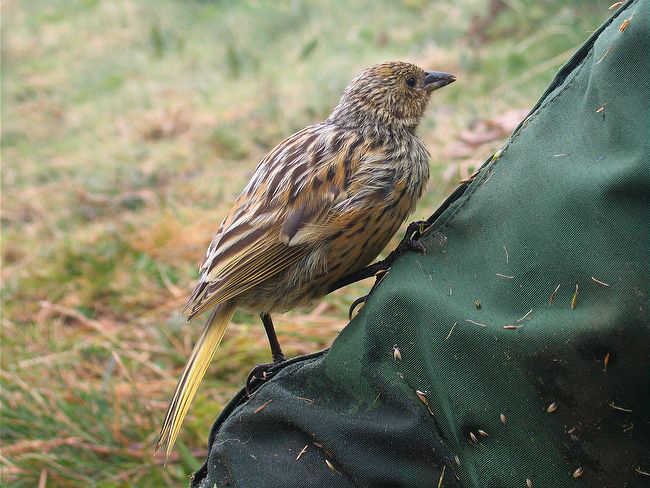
(129, 127)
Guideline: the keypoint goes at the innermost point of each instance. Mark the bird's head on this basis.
(390, 95)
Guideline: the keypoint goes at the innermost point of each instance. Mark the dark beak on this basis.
(437, 79)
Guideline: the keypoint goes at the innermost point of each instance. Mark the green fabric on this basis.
(566, 203)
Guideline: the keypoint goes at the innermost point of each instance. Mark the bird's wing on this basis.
(267, 230)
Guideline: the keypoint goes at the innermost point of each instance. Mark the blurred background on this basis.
(129, 128)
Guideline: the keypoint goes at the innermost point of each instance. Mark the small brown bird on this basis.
(321, 205)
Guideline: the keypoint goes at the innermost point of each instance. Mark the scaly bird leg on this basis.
(276, 350)
(410, 242)
(260, 373)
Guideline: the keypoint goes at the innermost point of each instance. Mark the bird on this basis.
(320, 205)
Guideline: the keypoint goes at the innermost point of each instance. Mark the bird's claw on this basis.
(415, 229)
(378, 277)
(411, 241)
(411, 245)
(355, 304)
(414, 232)
(260, 374)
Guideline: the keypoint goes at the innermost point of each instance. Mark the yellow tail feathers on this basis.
(193, 373)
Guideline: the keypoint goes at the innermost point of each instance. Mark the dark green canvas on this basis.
(539, 383)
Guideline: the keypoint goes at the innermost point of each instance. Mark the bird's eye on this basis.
(410, 82)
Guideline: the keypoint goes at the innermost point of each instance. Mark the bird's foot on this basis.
(260, 374)
(410, 242)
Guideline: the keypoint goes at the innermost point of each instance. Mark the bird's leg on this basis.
(260, 373)
(276, 350)
(410, 242)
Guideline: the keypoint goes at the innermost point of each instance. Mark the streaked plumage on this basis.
(321, 205)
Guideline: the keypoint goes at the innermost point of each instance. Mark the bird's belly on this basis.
(310, 278)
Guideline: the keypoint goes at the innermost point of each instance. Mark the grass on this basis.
(128, 128)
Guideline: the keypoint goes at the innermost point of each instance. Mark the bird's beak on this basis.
(437, 79)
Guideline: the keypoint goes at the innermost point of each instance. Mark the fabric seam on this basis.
(526, 123)
(489, 169)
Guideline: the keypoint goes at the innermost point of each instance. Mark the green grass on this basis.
(128, 128)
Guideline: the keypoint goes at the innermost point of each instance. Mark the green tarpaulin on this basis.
(547, 381)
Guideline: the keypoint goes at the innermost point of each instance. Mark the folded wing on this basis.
(292, 191)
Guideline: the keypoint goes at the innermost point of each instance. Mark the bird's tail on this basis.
(193, 373)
